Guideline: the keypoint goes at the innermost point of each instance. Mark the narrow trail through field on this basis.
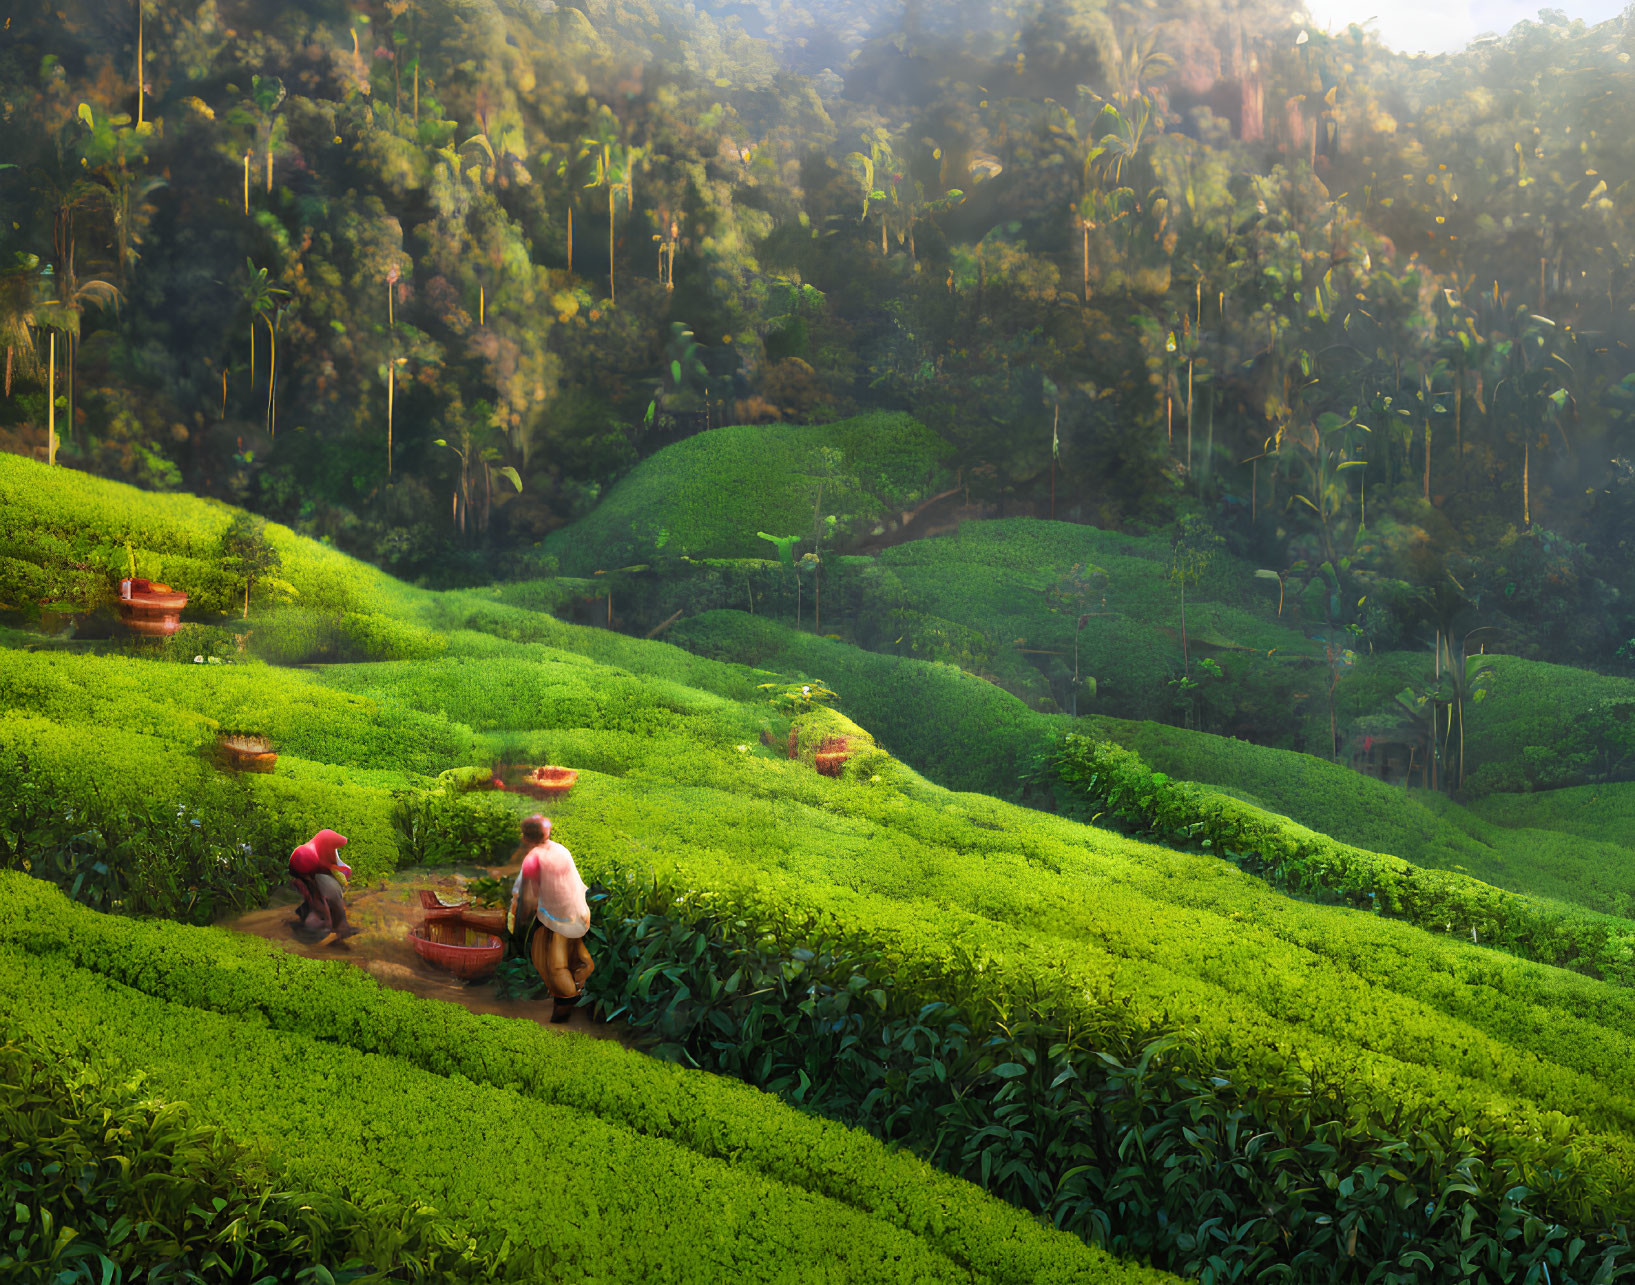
(385, 911)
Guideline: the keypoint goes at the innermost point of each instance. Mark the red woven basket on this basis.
(463, 951)
(548, 782)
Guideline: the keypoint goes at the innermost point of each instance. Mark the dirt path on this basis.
(386, 911)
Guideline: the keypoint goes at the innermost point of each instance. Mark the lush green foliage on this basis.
(710, 496)
(1570, 845)
(111, 1183)
(1176, 261)
(968, 902)
(966, 733)
(192, 854)
(1555, 726)
(70, 537)
(1100, 780)
(803, 1198)
(1143, 1148)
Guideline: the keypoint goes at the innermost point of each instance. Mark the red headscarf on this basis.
(320, 853)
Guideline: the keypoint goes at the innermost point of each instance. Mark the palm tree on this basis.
(65, 313)
(613, 165)
(388, 372)
(565, 165)
(1132, 59)
(66, 193)
(17, 315)
(261, 297)
(267, 92)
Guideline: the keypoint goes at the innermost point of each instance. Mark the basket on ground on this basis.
(248, 753)
(538, 782)
(465, 952)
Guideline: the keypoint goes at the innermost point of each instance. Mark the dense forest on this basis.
(425, 277)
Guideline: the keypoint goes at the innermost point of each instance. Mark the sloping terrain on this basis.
(1229, 1000)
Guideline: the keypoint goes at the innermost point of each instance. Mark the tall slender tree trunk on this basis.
(272, 376)
(246, 182)
(141, 76)
(570, 236)
(391, 384)
(1526, 496)
(611, 297)
(1209, 435)
(1427, 456)
(1189, 415)
(51, 402)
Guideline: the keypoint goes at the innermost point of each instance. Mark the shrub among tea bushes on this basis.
(104, 1181)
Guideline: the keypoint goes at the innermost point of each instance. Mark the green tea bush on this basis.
(952, 725)
(1140, 1146)
(299, 636)
(467, 617)
(544, 692)
(299, 712)
(213, 644)
(116, 802)
(108, 1183)
(174, 854)
(1103, 781)
(750, 1189)
(1548, 726)
(436, 827)
(54, 518)
(1568, 845)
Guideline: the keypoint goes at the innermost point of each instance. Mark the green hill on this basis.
(709, 495)
(1009, 994)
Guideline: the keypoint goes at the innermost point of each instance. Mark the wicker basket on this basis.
(436, 910)
(547, 782)
(249, 753)
(465, 952)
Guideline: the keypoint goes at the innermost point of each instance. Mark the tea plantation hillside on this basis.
(1146, 1047)
(1067, 617)
(710, 495)
(966, 732)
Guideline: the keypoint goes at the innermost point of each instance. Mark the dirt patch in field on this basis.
(385, 911)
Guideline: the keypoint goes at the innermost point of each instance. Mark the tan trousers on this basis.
(563, 962)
